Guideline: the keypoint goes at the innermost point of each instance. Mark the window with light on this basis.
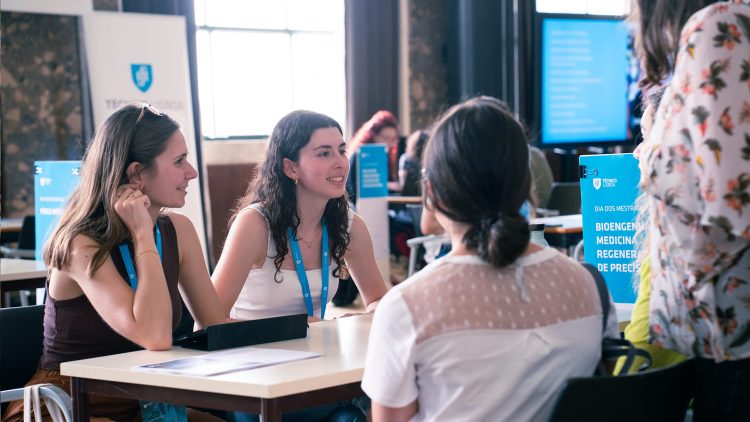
(260, 59)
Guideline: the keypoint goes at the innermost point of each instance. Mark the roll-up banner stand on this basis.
(144, 58)
(609, 188)
(372, 201)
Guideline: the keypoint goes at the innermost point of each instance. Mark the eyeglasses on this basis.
(151, 109)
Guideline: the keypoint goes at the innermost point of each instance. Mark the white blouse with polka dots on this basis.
(473, 342)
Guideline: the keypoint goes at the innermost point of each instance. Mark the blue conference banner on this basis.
(609, 188)
(53, 183)
(372, 179)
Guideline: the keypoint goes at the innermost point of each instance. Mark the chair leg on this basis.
(24, 295)
(412, 260)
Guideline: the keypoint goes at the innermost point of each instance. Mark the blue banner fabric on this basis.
(373, 171)
(609, 188)
(53, 182)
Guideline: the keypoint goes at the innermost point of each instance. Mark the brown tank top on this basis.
(73, 329)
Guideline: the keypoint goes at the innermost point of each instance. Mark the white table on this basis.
(562, 231)
(21, 269)
(21, 274)
(11, 225)
(269, 391)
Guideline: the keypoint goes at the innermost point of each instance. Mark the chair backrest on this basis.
(565, 197)
(659, 394)
(27, 236)
(415, 210)
(21, 338)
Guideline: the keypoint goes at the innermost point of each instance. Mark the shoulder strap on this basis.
(601, 286)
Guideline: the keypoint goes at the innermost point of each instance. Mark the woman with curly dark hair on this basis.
(299, 204)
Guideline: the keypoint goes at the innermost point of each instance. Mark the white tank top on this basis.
(263, 297)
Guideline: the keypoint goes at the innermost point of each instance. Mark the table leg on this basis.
(269, 410)
(80, 400)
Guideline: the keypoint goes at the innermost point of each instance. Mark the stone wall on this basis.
(428, 80)
(40, 111)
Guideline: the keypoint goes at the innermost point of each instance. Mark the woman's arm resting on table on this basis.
(195, 284)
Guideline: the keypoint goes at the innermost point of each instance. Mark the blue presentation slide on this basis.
(584, 81)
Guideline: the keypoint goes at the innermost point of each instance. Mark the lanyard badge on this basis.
(299, 266)
(128, 261)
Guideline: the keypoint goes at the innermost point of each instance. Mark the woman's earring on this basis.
(295, 181)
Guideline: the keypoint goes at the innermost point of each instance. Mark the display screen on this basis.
(587, 80)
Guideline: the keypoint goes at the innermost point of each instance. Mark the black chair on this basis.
(21, 343)
(415, 210)
(565, 197)
(659, 394)
(26, 241)
(21, 337)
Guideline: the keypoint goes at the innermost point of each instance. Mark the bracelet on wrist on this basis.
(147, 251)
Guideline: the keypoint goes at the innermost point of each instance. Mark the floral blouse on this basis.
(696, 173)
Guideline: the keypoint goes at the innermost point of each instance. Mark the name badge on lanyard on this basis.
(128, 261)
(299, 266)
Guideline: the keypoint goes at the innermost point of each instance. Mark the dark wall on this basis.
(371, 29)
(489, 51)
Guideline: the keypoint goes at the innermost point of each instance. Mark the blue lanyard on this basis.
(128, 261)
(299, 265)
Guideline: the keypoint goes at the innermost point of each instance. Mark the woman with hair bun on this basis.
(492, 330)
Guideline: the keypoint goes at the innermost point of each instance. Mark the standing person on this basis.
(492, 330)
(696, 175)
(637, 331)
(297, 206)
(116, 258)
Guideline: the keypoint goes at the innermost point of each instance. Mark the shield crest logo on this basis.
(142, 76)
(597, 183)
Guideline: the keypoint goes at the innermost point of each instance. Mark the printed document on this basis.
(224, 362)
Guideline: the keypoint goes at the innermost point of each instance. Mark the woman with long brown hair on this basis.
(118, 260)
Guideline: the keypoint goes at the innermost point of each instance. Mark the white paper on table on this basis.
(224, 362)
